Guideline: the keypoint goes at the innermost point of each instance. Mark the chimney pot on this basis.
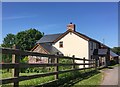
(71, 27)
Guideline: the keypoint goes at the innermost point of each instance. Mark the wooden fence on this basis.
(16, 65)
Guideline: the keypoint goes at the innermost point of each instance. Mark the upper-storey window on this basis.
(91, 45)
(61, 44)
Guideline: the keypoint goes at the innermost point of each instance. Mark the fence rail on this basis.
(16, 65)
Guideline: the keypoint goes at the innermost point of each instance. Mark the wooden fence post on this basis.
(106, 60)
(15, 71)
(56, 67)
(73, 67)
(96, 62)
(84, 63)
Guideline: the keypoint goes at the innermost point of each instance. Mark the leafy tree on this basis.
(9, 40)
(116, 50)
(27, 39)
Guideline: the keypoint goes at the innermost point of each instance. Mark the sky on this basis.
(98, 20)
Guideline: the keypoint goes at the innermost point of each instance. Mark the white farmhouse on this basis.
(68, 43)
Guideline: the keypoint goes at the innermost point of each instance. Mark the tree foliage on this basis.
(9, 40)
(116, 50)
(25, 40)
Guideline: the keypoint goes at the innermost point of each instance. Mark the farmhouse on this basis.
(70, 43)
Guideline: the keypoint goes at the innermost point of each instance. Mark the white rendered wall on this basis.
(74, 45)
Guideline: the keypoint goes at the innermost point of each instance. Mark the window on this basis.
(91, 45)
(61, 44)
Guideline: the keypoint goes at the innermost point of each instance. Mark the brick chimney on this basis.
(71, 27)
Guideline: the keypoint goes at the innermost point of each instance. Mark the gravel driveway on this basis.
(110, 76)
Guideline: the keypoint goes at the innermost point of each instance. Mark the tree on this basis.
(116, 50)
(25, 40)
(9, 40)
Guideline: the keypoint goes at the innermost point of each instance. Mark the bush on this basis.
(36, 70)
(65, 61)
(45, 69)
(112, 62)
(24, 60)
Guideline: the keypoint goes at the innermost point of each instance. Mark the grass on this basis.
(118, 64)
(93, 81)
(109, 67)
(115, 65)
(79, 78)
(31, 82)
(75, 78)
(36, 81)
(65, 79)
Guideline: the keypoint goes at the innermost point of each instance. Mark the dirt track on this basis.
(110, 76)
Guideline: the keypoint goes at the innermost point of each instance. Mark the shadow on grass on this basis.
(71, 80)
(109, 67)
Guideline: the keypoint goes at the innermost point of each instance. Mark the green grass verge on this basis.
(115, 65)
(93, 81)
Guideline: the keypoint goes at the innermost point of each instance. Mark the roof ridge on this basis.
(89, 37)
(53, 34)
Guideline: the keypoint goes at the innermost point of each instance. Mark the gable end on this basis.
(76, 33)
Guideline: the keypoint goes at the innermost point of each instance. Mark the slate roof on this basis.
(100, 52)
(113, 54)
(104, 52)
(49, 38)
(51, 49)
(52, 37)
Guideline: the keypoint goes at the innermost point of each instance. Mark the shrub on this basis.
(24, 60)
(65, 61)
(36, 70)
(112, 62)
